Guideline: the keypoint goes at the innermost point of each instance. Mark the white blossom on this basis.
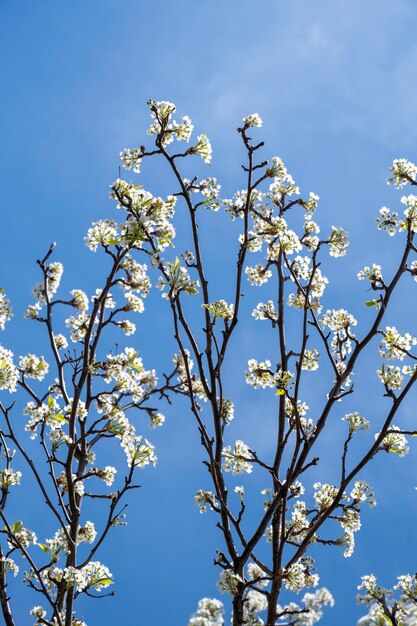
(237, 460)
(209, 613)
(79, 299)
(258, 275)
(252, 120)
(338, 242)
(299, 576)
(310, 360)
(9, 477)
(102, 233)
(324, 495)
(265, 311)
(204, 499)
(228, 581)
(356, 422)
(203, 148)
(403, 171)
(394, 345)
(33, 366)
(9, 374)
(220, 309)
(6, 311)
(394, 442)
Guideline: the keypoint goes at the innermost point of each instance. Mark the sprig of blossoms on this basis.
(324, 495)
(220, 308)
(312, 610)
(258, 275)
(229, 581)
(54, 273)
(102, 233)
(394, 345)
(6, 310)
(253, 120)
(394, 441)
(260, 374)
(403, 171)
(391, 377)
(209, 613)
(176, 277)
(9, 566)
(356, 422)
(310, 360)
(373, 274)
(284, 184)
(338, 241)
(202, 148)
(131, 158)
(388, 221)
(204, 499)
(164, 126)
(9, 374)
(300, 575)
(9, 478)
(33, 366)
(265, 311)
(238, 459)
(382, 606)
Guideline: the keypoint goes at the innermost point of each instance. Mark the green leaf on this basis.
(104, 582)
(280, 392)
(43, 547)
(59, 417)
(50, 402)
(374, 303)
(17, 526)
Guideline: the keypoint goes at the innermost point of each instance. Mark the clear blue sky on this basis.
(334, 81)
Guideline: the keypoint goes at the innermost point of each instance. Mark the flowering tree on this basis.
(86, 405)
(265, 552)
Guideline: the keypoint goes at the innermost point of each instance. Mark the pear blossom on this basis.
(131, 158)
(33, 366)
(388, 221)
(394, 345)
(338, 242)
(9, 374)
(9, 565)
(237, 459)
(6, 311)
(299, 576)
(258, 275)
(403, 171)
(203, 148)
(265, 311)
(394, 442)
(204, 499)
(228, 582)
(60, 342)
(220, 309)
(102, 233)
(209, 613)
(356, 422)
(9, 477)
(252, 120)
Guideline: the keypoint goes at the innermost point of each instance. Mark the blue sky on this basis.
(334, 82)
